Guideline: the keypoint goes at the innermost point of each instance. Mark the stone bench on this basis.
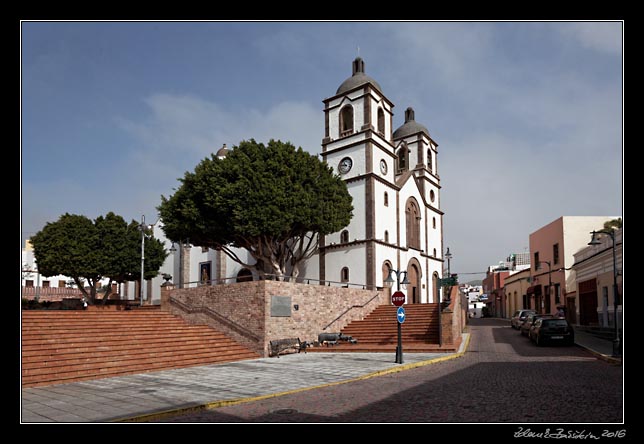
(280, 346)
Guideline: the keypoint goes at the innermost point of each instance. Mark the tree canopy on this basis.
(89, 251)
(272, 200)
(613, 224)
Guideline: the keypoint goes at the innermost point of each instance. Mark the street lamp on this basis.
(448, 256)
(389, 282)
(143, 227)
(595, 241)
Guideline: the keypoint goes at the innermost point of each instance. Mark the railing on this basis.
(274, 277)
(51, 293)
(351, 308)
(243, 331)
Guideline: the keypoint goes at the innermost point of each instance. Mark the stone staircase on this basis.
(378, 331)
(73, 345)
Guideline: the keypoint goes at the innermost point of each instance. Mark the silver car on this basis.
(518, 317)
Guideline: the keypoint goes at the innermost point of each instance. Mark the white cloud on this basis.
(600, 36)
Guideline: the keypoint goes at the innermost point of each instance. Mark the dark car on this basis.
(554, 330)
(518, 317)
(530, 320)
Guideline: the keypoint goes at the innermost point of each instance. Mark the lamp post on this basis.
(142, 227)
(448, 256)
(549, 276)
(389, 282)
(595, 241)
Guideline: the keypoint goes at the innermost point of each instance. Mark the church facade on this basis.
(392, 176)
(397, 224)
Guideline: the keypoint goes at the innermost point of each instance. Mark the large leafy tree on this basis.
(272, 200)
(88, 251)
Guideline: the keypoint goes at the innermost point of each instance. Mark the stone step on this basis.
(65, 346)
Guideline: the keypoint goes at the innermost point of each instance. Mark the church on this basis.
(392, 176)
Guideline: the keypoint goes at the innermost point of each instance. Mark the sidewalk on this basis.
(602, 348)
(151, 395)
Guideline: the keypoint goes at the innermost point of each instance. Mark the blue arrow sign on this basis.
(401, 314)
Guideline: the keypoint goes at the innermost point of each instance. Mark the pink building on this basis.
(552, 249)
(493, 287)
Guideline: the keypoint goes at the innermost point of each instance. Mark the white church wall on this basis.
(352, 257)
(385, 215)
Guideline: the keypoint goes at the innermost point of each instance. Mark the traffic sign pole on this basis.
(400, 318)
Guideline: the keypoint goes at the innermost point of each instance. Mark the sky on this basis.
(528, 116)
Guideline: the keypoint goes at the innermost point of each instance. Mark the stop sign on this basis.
(398, 298)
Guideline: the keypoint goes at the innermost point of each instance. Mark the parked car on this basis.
(555, 330)
(530, 320)
(518, 317)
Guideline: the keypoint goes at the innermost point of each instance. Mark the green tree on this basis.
(88, 251)
(613, 224)
(274, 201)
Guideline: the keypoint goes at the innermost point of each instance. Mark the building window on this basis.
(412, 214)
(204, 249)
(344, 237)
(386, 236)
(434, 252)
(555, 254)
(557, 293)
(346, 121)
(434, 222)
(61, 284)
(386, 199)
(29, 283)
(432, 195)
(344, 274)
(381, 121)
(402, 159)
(45, 284)
(429, 160)
(536, 260)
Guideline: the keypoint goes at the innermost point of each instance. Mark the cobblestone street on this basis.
(503, 377)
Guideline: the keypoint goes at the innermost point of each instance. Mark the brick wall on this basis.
(243, 310)
(453, 319)
(318, 307)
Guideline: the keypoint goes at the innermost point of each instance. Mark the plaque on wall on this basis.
(281, 306)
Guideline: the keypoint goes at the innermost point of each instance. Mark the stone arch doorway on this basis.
(414, 278)
(435, 287)
(386, 268)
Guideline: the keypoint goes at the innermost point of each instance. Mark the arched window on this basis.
(381, 121)
(433, 222)
(412, 214)
(386, 199)
(429, 160)
(434, 252)
(432, 195)
(435, 284)
(344, 274)
(244, 275)
(346, 121)
(386, 236)
(402, 158)
(344, 237)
